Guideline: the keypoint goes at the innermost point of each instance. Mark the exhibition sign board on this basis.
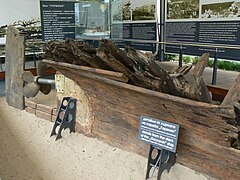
(74, 19)
(127, 22)
(205, 22)
(161, 134)
(57, 19)
(138, 35)
(135, 23)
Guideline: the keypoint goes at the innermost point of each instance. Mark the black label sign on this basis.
(57, 19)
(161, 134)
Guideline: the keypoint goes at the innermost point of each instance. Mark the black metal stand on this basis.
(180, 56)
(66, 117)
(163, 160)
(214, 77)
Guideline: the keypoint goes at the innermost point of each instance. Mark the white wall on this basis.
(14, 10)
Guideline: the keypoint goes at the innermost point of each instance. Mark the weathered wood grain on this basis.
(88, 70)
(141, 69)
(233, 94)
(15, 53)
(205, 137)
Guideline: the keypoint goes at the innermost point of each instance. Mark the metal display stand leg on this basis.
(66, 117)
(163, 160)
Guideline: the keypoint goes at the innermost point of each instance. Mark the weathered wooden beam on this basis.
(14, 62)
(112, 62)
(117, 53)
(233, 94)
(166, 82)
(200, 66)
(88, 70)
(196, 87)
(141, 69)
(134, 78)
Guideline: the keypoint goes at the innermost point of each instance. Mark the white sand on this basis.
(27, 152)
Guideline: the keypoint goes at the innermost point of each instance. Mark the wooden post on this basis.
(15, 52)
(233, 94)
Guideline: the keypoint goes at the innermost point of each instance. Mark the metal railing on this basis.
(214, 47)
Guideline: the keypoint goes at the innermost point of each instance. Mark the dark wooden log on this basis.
(59, 52)
(148, 64)
(116, 65)
(140, 80)
(196, 88)
(141, 69)
(117, 53)
(90, 58)
(181, 70)
(112, 62)
(74, 52)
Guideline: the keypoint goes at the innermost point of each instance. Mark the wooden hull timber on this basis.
(114, 110)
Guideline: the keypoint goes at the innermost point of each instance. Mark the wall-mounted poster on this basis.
(57, 19)
(220, 9)
(133, 10)
(92, 19)
(184, 9)
(204, 22)
(134, 22)
(75, 19)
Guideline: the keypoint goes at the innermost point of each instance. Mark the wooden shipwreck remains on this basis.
(209, 134)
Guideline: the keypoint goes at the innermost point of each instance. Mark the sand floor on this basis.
(27, 152)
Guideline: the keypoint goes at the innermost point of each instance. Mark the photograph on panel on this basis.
(220, 9)
(182, 9)
(92, 19)
(134, 10)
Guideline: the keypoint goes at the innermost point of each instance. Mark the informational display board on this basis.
(57, 19)
(87, 20)
(126, 22)
(159, 133)
(128, 32)
(134, 23)
(206, 22)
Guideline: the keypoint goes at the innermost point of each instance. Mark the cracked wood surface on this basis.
(205, 137)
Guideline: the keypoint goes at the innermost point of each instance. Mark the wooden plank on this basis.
(233, 94)
(197, 159)
(88, 70)
(218, 93)
(14, 68)
(48, 71)
(200, 66)
(2, 75)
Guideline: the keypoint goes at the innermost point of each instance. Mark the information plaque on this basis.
(58, 19)
(159, 133)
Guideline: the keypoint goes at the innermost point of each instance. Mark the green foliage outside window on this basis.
(222, 64)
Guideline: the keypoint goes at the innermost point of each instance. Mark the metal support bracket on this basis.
(161, 159)
(60, 83)
(66, 117)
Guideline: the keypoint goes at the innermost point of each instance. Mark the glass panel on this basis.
(92, 19)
